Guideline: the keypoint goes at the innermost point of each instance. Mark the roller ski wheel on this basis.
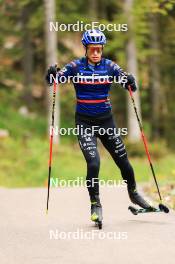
(136, 211)
(163, 208)
(96, 214)
(99, 224)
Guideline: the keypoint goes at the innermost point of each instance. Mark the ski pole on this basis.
(144, 141)
(51, 144)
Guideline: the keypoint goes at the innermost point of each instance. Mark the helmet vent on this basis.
(93, 37)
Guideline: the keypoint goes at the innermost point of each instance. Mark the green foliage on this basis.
(157, 149)
(20, 126)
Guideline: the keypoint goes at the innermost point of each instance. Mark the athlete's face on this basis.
(94, 53)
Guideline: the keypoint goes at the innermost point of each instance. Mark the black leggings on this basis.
(111, 141)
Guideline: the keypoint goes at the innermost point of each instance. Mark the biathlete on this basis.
(92, 76)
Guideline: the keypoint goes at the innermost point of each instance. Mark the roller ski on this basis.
(96, 213)
(161, 208)
(136, 198)
(134, 195)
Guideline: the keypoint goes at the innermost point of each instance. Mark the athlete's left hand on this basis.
(131, 81)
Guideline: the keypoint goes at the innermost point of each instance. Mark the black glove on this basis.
(131, 81)
(53, 69)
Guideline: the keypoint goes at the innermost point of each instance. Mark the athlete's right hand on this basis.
(52, 71)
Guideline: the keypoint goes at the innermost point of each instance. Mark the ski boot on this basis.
(136, 198)
(96, 212)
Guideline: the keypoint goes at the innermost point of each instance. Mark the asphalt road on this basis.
(67, 236)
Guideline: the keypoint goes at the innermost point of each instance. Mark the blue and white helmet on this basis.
(93, 36)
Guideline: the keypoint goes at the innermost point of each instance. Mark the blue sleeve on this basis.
(66, 73)
(118, 74)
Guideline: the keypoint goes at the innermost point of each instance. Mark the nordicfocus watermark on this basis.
(81, 26)
(82, 79)
(80, 182)
(80, 234)
(89, 131)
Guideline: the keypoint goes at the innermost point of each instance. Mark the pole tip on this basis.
(46, 211)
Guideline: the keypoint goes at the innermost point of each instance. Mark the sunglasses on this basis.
(97, 50)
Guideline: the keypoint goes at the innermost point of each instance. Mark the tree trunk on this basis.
(51, 59)
(27, 60)
(93, 9)
(102, 9)
(155, 79)
(133, 127)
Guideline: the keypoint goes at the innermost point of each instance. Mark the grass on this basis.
(24, 154)
(24, 163)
